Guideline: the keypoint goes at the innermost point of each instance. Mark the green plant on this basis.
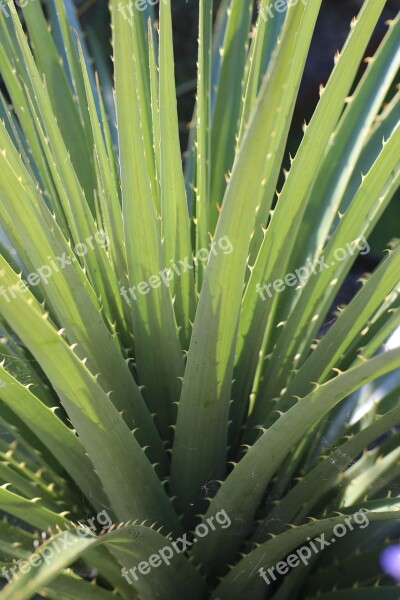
(203, 395)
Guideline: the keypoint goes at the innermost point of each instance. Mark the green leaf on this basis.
(57, 437)
(228, 100)
(258, 317)
(320, 290)
(133, 544)
(206, 393)
(346, 145)
(264, 39)
(244, 576)
(386, 123)
(155, 105)
(10, 65)
(174, 214)
(137, 493)
(69, 587)
(242, 491)
(323, 479)
(110, 203)
(71, 195)
(69, 295)
(76, 134)
(158, 352)
(352, 319)
(203, 138)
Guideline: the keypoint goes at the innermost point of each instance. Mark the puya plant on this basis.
(166, 357)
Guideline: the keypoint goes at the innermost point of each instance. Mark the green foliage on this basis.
(152, 375)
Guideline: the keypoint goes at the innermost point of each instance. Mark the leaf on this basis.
(159, 359)
(109, 200)
(324, 478)
(264, 39)
(69, 587)
(242, 578)
(137, 493)
(243, 489)
(319, 292)
(206, 393)
(203, 138)
(258, 316)
(385, 124)
(57, 437)
(77, 137)
(70, 296)
(346, 146)
(71, 195)
(333, 345)
(155, 106)
(174, 213)
(228, 101)
(133, 544)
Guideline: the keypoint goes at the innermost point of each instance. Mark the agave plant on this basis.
(179, 409)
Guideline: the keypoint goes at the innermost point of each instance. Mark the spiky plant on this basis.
(162, 390)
